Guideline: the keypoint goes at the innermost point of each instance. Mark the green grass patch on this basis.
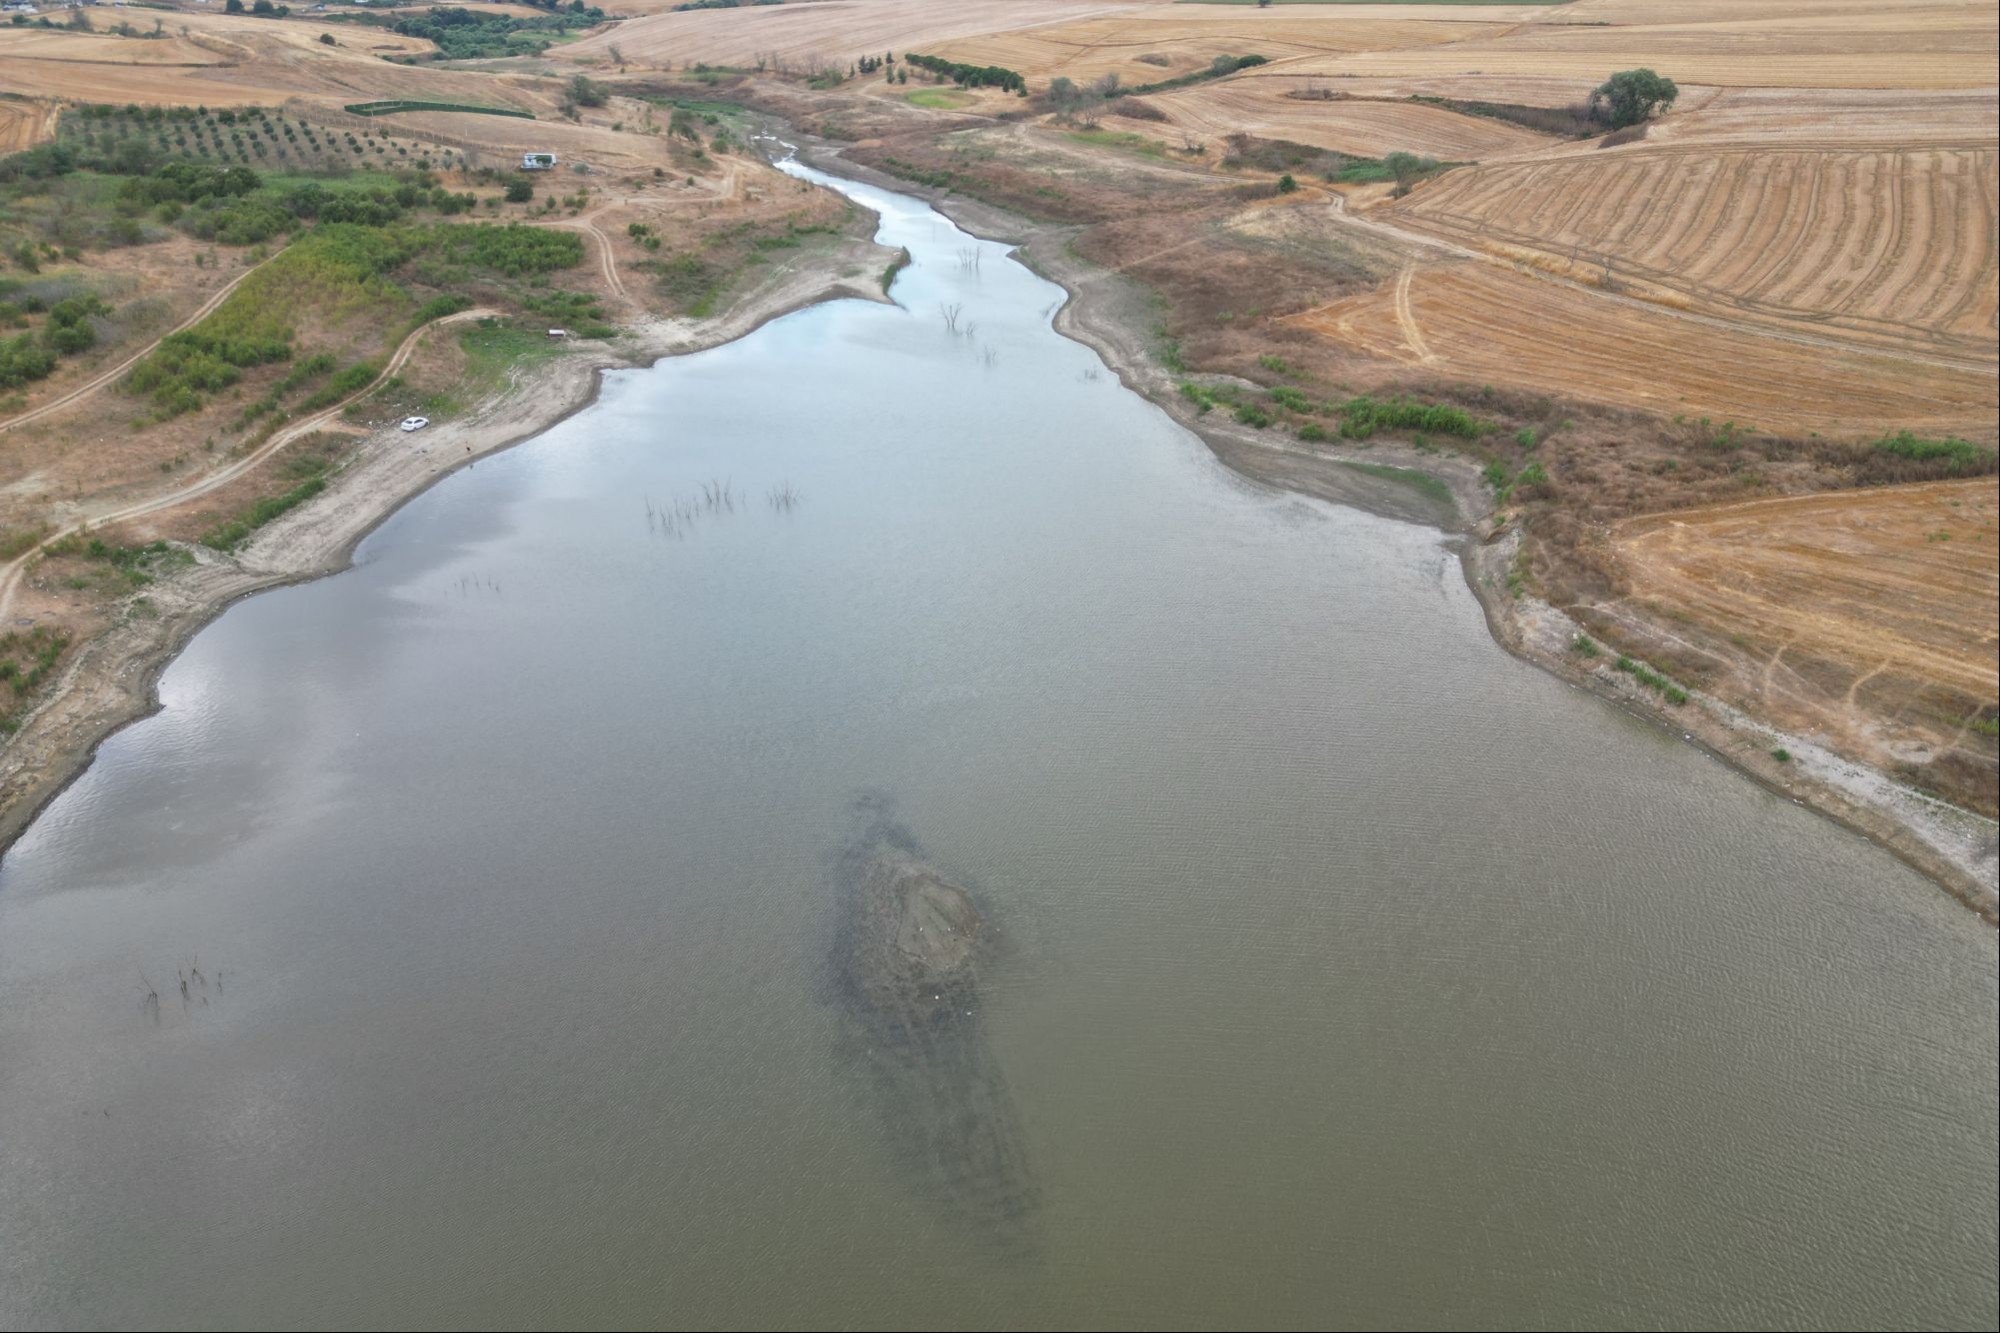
(338, 272)
(896, 265)
(27, 659)
(1122, 140)
(937, 99)
(1363, 417)
(491, 352)
(1958, 455)
(1415, 478)
(1651, 679)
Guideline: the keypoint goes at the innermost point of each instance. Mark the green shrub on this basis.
(1361, 418)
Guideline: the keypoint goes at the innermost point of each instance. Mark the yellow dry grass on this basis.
(1482, 323)
(1889, 246)
(1869, 618)
(1266, 108)
(1947, 45)
(826, 32)
(25, 123)
(1836, 117)
(1187, 37)
(95, 48)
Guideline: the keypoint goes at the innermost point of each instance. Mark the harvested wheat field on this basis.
(1482, 323)
(25, 123)
(1920, 46)
(1162, 41)
(1269, 108)
(807, 36)
(1895, 247)
(225, 60)
(1835, 118)
(1872, 614)
(94, 48)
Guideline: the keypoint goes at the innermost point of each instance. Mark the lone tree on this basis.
(1408, 169)
(1630, 96)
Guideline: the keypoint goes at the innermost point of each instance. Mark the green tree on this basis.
(1408, 169)
(1286, 184)
(520, 190)
(233, 7)
(587, 92)
(1632, 95)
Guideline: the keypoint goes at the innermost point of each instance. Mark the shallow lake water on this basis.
(1346, 972)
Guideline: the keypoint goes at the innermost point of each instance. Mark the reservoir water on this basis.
(1344, 970)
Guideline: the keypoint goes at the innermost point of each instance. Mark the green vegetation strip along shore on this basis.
(390, 108)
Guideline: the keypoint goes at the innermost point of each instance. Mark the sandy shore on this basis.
(112, 679)
(1958, 849)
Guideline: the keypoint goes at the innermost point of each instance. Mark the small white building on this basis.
(558, 333)
(538, 161)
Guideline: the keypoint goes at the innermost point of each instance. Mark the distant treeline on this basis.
(971, 76)
(390, 108)
(1218, 68)
(466, 34)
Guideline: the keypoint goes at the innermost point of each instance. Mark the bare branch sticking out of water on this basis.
(784, 497)
(951, 315)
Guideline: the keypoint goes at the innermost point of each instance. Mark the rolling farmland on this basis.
(832, 32)
(1187, 37)
(1486, 324)
(1952, 45)
(1365, 128)
(1888, 246)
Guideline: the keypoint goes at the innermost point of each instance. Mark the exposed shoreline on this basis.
(113, 680)
(1957, 849)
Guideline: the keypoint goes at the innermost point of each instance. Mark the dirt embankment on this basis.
(1960, 850)
(111, 679)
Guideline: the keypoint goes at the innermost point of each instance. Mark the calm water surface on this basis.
(1349, 972)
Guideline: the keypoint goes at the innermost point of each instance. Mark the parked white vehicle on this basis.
(415, 423)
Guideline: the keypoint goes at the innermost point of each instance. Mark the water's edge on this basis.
(1956, 849)
(114, 682)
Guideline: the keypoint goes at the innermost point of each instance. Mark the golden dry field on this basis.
(1160, 41)
(1800, 45)
(1267, 107)
(1872, 614)
(1485, 323)
(25, 122)
(1890, 246)
(824, 32)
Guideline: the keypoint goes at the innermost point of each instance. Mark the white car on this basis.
(415, 423)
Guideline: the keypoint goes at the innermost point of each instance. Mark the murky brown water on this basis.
(1344, 971)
